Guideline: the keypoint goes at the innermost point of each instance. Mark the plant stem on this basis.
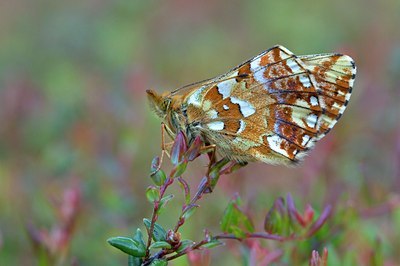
(154, 215)
(232, 236)
(188, 249)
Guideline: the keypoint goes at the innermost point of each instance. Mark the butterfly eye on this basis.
(184, 111)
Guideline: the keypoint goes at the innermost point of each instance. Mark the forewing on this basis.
(273, 107)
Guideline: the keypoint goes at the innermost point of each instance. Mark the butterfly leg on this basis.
(164, 148)
(211, 151)
(233, 167)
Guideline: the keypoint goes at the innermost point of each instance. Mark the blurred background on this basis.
(77, 137)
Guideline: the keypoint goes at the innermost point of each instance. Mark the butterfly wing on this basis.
(275, 106)
(334, 76)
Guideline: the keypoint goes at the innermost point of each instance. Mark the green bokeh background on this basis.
(73, 112)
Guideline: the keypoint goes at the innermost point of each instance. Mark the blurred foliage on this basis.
(73, 76)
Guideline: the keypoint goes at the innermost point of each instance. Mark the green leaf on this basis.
(248, 224)
(155, 164)
(128, 245)
(217, 167)
(213, 243)
(189, 212)
(159, 233)
(185, 188)
(235, 221)
(139, 237)
(158, 177)
(185, 243)
(277, 220)
(159, 262)
(134, 261)
(215, 171)
(179, 169)
(228, 218)
(152, 194)
(160, 244)
(164, 201)
(147, 223)
(237, 231)
(274, 223)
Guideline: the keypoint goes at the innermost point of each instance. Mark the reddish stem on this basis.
(154, 216)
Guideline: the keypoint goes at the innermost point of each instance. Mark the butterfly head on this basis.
(159, 103)
(168, 108)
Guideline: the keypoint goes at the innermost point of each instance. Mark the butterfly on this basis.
(272, 108)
